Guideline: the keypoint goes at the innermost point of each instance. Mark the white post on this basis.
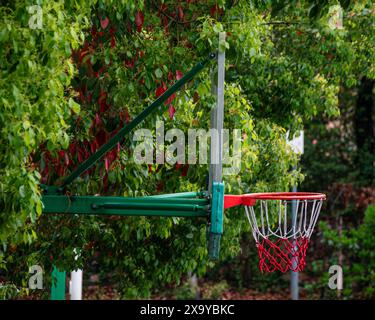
(75, 289)
(75, 283)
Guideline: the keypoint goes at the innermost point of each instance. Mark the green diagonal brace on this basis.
(87, 164)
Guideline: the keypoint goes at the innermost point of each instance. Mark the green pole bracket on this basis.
(58, 284)
(217, 219)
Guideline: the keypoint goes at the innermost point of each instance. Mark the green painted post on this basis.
(58, 284)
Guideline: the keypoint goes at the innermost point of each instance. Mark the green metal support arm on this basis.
(88, 163)
(123, 206)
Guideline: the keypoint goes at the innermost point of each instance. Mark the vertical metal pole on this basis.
(216, 186)
(58, 284)
(217, 119)
(212, 125)
(294, 288)
(297, 144)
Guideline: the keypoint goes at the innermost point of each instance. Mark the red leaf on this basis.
(103, 106)
(72, 148)
(80, 155)
(66, 158)
(213, 9)
(165, 23)
(161, 90)
(179, 75)
(130, 63)
(101, 137)
(185, 170)
(102, 95)
(81, 96)
(180, 13)
(159, 186)
(112, 30)
(113, 42)
(141, 53)
(93, 32)
(171, 111)
(170, 76)
(124, 115)
(139, 19)
(104, 22)
(170, 99)
(102, 101)
(98, 121)
(106, 163)
(94, 146)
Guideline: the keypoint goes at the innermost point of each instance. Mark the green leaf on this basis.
(158, 73)
(21, 191)
(74, 106)
(107, 58)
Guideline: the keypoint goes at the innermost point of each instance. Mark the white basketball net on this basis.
(284, 219)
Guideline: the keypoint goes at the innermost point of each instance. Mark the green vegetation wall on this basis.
(67, 87)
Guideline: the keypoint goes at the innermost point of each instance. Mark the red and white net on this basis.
(282, 229)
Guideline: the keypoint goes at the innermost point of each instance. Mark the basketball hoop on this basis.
(281, 224)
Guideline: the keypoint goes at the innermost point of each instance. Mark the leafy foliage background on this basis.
(66, 88)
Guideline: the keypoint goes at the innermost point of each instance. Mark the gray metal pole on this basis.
(217, 123)
(294, 287)
(217, 118)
